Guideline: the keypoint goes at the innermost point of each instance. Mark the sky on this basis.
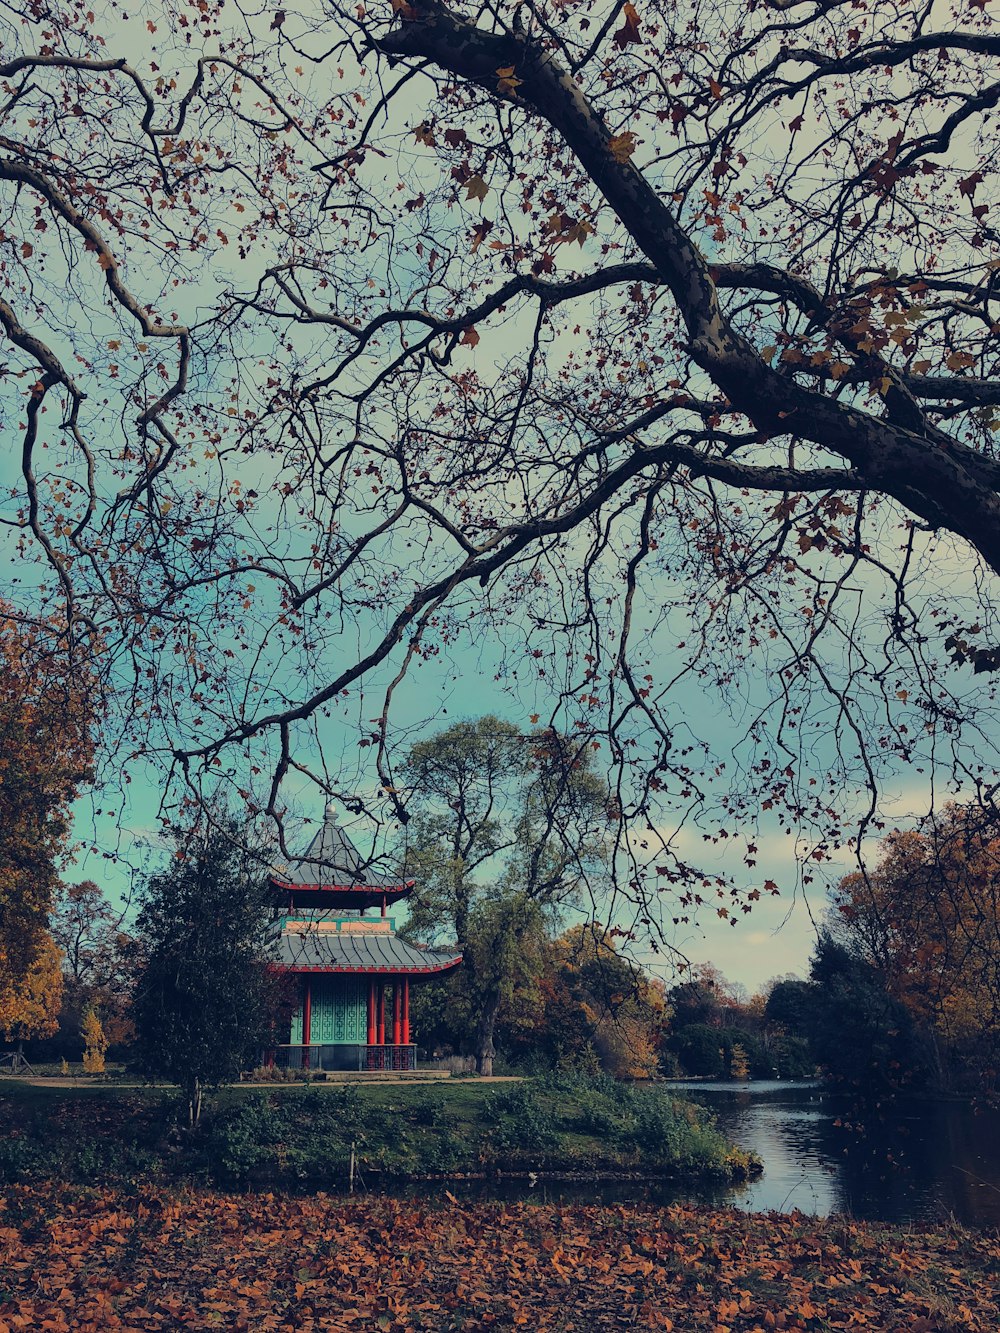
(774, 939)
(461, 682)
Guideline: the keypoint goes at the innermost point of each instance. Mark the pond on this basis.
(921, 1161)
(925, 1161)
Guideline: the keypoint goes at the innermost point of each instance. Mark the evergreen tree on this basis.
(204, 995)
(864, 1039)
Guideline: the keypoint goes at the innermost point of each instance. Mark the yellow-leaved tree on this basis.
(46, 748)
(30, 1000)
(95, 1043)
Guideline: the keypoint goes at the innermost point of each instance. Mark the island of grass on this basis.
(557, 1126)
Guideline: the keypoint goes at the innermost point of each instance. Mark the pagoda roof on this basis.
(383, 952)
(332, 864)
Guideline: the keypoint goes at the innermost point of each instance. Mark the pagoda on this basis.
(353, 1000)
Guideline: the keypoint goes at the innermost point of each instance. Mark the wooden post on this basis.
(406, 1011)
(307, 1024)
(397, 1011)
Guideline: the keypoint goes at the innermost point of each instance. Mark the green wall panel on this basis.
(339, 1011)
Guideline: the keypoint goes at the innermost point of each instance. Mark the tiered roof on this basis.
(331, 877)
(310, 950)
(332, 874)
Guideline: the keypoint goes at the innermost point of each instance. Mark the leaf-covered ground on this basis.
(98, 1261)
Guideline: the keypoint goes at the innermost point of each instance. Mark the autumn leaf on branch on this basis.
(629, 31)
(623, 501)
(507, 82)
(622, 146)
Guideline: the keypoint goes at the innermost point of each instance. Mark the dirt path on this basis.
(336, 1081)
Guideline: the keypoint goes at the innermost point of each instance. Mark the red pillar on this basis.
(372, 1023)
(383, 904)
(406, 1011)
(381, 1013)
(397, 1011)
(307, 1024)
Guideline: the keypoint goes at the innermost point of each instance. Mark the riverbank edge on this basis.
(937, 1097)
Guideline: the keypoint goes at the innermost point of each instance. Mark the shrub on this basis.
(519, 1118)
(242, 1138)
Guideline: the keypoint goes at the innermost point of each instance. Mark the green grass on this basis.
(303, 1136)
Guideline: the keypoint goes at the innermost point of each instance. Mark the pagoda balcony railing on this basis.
(351, 1056)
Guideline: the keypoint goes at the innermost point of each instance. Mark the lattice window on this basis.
(339, 1010)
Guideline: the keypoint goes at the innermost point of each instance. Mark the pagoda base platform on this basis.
(346, 1057)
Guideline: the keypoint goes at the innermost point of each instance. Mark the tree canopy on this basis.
(29, 1000)
(99, 964)
(509, 831)
(46, 747)
(653, 345)
(926, 919)
(89, 932)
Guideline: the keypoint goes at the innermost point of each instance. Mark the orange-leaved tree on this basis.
(596, 1001)
(29, 1000)
(928, 919)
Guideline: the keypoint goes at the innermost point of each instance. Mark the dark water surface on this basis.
(924, 1161)
(921, 1161)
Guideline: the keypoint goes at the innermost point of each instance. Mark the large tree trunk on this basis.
(485, 1050)
(938, 477)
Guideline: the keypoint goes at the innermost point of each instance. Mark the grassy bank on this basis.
(294, 1137)
(97, 1260)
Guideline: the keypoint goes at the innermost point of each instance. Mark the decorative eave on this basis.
(377, 953)
(333, 895)
(369, 970)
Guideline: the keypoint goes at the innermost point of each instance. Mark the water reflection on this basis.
(926, 1161)
(920, 1161)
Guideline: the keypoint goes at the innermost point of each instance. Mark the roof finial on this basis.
(331, 810)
